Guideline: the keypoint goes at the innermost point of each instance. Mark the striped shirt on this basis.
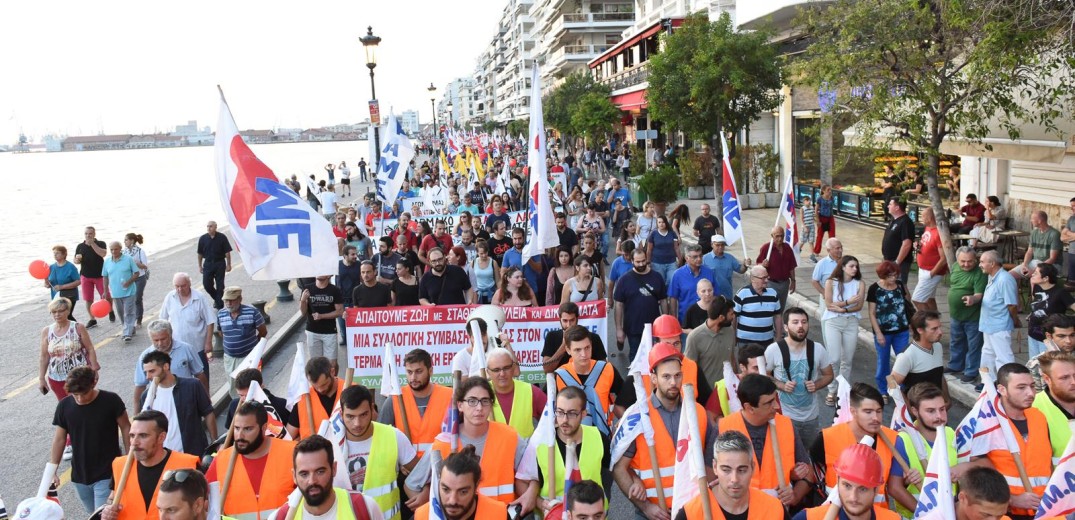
(241, 333)
(755, 313)
(808, 216)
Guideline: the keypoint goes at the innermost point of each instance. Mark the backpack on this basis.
(785, 353)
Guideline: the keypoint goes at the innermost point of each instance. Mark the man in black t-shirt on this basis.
(214, 259)
(90, 256)
(554, 352)
(499, 243)
(321, 303)
(370, 292)
(897, 244)
(96, 421)
(706, 226)
(443, 284)
(569, 241)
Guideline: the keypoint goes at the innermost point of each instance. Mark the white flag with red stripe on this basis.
(689, 464)
(1058, 500)
(542, 223)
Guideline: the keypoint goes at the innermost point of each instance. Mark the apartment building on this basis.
(570, 33)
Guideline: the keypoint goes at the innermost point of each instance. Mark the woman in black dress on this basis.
(405, 286)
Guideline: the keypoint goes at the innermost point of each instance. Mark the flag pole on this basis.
(550, 383)
(651, 448)
(703, 486)
(780, 480)
(458, 382)
(129, 463)
(899, 458)
(233, 458)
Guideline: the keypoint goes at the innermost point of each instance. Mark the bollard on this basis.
(285, 291)
(260, 306)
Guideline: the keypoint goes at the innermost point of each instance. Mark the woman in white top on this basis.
(647, 222)
(844, 298)
(575, 207)
(484, 274)
(130, 248)
(584, 286)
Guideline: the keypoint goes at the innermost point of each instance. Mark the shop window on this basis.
(807, 149)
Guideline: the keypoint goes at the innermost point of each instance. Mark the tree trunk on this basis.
(937, 204)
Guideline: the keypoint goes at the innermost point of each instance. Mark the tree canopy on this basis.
(580, 106)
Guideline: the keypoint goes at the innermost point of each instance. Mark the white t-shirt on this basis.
(328, 202)
(371, 506)
(798, 405)
(461, 362)
(358, 454)
(914, 360)
(164, 403)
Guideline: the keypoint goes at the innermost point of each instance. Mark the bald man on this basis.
(192, 317)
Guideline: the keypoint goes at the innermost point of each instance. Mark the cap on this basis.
(860, 464)
(39, 508)
(233, 292)
(661, 352)
(718, 239)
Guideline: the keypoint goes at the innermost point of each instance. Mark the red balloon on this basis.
(512, 163)
(100, 308)
(39, 269)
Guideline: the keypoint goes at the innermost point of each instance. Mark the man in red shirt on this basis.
(931, 267)
(781, 265)
(405, 230)
(374, 219)
(338, 228)
(440, 238)
(973, 213)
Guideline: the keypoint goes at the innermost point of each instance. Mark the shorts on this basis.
(346, 181)
(89, 284)
(927, 286)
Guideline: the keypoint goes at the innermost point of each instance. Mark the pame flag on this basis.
(791, 226)
(980, 430)
(278, 234)
(396, 153)
(936, 499)
(733, 216)
(542, 224)
(1058, 500)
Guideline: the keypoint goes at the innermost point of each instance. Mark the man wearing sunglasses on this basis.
(183, 495)
(153, 462)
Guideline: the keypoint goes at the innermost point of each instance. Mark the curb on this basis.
(221, 398)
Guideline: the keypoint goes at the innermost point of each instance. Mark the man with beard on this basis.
(860, 477)
(321, 303)
(424, 402)
(591, 448)
(325, 389)
(385, 260)
(376, 453)
(444, 284)
(801, 369)
(867, 409)
(639, 295)
(369, 292)
(1059, 335)
(517, 403)
(733, 496)
(315, 468)
(569, 240)
(262, 478)
(457, 491)
(1057, 400)
(139, 493)
(183, 495)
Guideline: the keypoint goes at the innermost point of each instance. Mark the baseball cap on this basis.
(39, 508)
(233, 292)
(718, 239)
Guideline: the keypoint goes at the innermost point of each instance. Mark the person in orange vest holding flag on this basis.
(262, 479)
(517, 403)
(734, 493)
(867, 409)
(1015, 387)
(460, 476)
(759, 421)
(860, 477)
(598, 379)
(635, 473)
(424, 402)
(666, 329)
(152, 461)
(325, 389)
(983, 493)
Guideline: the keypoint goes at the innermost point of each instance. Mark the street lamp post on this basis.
(450, 122)
(433, 106)
(369, 43)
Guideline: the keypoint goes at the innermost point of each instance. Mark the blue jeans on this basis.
(666, 271)
(897, 342)
(93, 495)
(632, 344)
(1035, 347)
(965, 348)
(127, 310)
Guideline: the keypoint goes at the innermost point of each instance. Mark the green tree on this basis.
(918, 72)
(563, 102)
(709, 78)
(593, 116)
(519, 127)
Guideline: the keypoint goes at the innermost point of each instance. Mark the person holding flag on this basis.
(666, 329)
(456, 494)
(424, 402)
(782, 467)
(749, 356)
(859, 477)
(597, 379)
(314, 469)
(243, 381)
(926, 402)
(734, 493)
(257, 457)
(319, 402)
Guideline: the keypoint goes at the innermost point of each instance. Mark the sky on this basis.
(119, 66)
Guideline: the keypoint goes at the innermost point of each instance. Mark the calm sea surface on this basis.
(165, 194)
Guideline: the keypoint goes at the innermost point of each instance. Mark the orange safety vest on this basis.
(134, 504)
(243, 503)
(761, 506)
(690, 376)
(765, 472)
(666, 454)
(423, 427)
(497, 461)
(1036, 452)
(487, 508)
(879, 511)
(838, 437)
(305, 428)
(601, 388)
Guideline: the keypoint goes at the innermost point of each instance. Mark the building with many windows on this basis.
(570, 33)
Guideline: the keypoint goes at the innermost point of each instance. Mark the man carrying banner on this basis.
(635, 472)
(314, 469)
(262, 478)
(734, 495)
(915, 444)
(1015, 387)
(859, 477)
(867, 409)
(375, 453)
(1057, 400)
(424, 402)
(517, 403)
(781, 465)
(591, 448)
(153, 460)
(457, 495)
(666, 329)
(597, 379)
(748, 364)
(325, 389)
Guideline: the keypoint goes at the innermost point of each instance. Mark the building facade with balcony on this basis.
(571, 33)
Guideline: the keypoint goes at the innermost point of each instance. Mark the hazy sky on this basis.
(121, 66)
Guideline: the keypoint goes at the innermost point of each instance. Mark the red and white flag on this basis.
(278, 234)
(843, 401)
(689, 463)
(1058, 500)
(275, 426)
(542, 223)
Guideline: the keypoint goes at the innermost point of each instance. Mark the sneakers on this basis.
(127, 339)
(67, 453)
(112, 316)
(978, 387)
(813, 258)
(968, 379)
(91, 324)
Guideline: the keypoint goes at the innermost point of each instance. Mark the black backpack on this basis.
(785, 353)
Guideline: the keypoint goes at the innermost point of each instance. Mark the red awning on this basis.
(631, 100)
(619, 48)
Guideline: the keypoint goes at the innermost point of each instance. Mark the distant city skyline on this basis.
(77, 69)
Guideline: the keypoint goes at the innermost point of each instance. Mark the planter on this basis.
(659, 207)
(772, 200)
(710, 192)
(753, 200)
(696, 192)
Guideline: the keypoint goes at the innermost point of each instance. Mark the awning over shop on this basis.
(631, 100)
(1036, 144)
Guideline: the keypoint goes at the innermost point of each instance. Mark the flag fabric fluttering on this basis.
(936, 501)
(733, 216)
(436, 509)
(843, 401)
(278, 235)
(335, 431)
(979, 431)
(1058, 500)
(636, 420)
(252, 360)
(539, 214)
(901, 416)
(297, 383)
(396, 153)
(731, 384)
(275, 426)
(572, 472)
(389, 373)
(477, 357)
(688, 466)
(501, 180)
(791, 226)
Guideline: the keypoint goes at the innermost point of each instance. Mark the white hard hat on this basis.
(39, 508)
(490, 314)
(719, 239)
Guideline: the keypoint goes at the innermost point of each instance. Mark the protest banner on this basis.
(518, 220)
(440, 330)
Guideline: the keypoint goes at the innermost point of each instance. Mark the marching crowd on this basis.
(736, 362)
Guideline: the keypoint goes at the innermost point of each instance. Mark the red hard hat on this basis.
(860, 464)
(666, 326)
(661, 352)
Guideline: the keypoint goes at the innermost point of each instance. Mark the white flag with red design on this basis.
(1058, 500)
(542, 223)
(689, 465)
(843, 401)
(791, 226)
